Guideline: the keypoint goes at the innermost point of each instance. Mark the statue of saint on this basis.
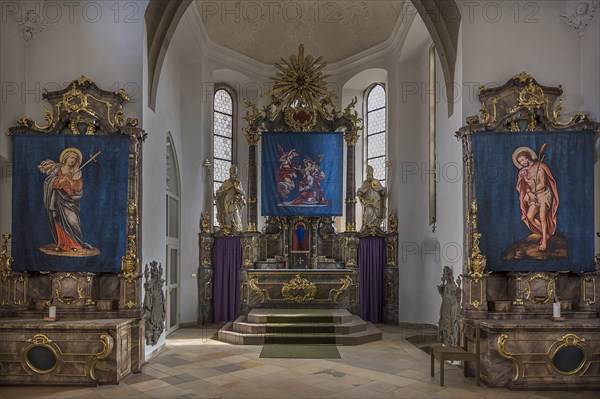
(450, 308)
(230, 199)
(372, 197)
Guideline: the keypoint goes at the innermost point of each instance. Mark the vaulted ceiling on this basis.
(269, 30)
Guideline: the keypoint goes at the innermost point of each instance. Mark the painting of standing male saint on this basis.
(535, 195)
(69, 202)
(302, 174)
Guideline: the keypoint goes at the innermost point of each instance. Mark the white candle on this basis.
(52, 312)
(556, 309)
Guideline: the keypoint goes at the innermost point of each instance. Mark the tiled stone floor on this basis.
(195, 365)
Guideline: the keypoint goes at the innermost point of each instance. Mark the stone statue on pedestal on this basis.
(372, 197)
(155, 309)
(230, 200)
(450, 292)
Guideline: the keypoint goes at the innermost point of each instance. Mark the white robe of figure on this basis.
(372, 196)
(230, 199)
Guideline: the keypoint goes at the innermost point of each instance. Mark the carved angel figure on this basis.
(582, 17)
(31, 24)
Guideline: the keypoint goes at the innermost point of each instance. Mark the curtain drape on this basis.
(227, 260)
(372, 258)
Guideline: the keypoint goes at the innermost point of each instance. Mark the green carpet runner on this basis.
(300, 326)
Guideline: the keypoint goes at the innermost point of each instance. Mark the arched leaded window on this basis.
(223, 126)
(376, 132)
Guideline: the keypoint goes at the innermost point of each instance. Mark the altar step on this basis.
(331, 326)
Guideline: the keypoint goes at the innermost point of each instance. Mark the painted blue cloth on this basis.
(302, 174)
(76, 224)
(507, 241)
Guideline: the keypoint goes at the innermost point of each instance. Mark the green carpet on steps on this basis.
(300, 326)
(297, 315)
(300, 351)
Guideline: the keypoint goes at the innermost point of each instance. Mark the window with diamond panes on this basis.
(222, 140)
(376, 132)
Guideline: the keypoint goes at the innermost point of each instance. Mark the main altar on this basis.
(299, 260)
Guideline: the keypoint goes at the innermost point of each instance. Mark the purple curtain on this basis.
(372, 257)
(227, 260)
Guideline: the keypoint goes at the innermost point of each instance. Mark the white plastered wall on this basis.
(501, 39)
(101, 40)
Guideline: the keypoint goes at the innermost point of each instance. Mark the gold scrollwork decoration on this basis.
(508, 355)
(352, 115)
(392, 222)
(264, 294)
(48, 118)
(351, 137)
(351, 227)
(107, 347)
(299, 289)
(41, 340)
(252, 113)
(68, 300)
(587, 299)
(334, 293)
(5, 260)
(205, 223)
(301, 118)
(389, 291)
(570, 339)
(300, 82)
(252, 227)
(477, 302)
(477, 261)
(24, 284)
(549, 288)
(130, 264)
(90, 128)
(557, 112)
(532, 95)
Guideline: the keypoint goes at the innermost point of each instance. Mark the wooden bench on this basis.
(457, 353)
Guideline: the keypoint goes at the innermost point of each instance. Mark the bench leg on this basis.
(442, 370)
(432, 361)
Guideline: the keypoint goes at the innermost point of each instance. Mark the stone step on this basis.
(348, 329)
(242, 325)
(260, 316)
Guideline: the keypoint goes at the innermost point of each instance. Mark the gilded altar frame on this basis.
(84, 109)
(515, 309)
(301, 102)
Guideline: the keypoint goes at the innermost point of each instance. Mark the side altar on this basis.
(531, 280)
(70, 287)
(299, 259)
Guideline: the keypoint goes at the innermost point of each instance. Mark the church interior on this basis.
(299, 199)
